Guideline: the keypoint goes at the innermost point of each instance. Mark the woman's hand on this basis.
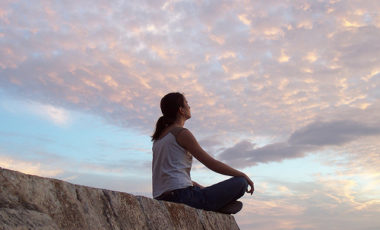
(250, 183)
(198, 185)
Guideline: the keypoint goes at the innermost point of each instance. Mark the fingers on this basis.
(252, 189)
(250, 183)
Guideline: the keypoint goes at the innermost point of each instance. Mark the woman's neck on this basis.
(180, 122)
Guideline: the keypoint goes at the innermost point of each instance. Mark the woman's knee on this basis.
(242, 182)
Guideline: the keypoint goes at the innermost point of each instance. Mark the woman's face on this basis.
(186, 109)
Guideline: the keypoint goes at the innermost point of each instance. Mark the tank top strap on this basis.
(177, 130)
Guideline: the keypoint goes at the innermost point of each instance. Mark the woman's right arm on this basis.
(188, 141)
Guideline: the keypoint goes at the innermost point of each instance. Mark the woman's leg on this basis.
(211, 198)
(223, 193)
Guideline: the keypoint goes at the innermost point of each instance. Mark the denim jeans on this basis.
(210, 198)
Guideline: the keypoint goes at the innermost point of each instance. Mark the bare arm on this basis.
(188, 141)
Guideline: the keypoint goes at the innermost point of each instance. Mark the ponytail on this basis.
(161, 124)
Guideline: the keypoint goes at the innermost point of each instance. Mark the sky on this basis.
(285, 91)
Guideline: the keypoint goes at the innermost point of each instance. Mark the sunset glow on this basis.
(286, 91)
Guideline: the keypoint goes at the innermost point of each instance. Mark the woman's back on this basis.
(171, 164)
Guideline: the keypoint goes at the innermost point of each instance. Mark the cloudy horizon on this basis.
(286, 91)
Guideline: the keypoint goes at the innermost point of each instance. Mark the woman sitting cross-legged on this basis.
(173, 149)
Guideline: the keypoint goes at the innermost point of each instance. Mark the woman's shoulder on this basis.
(177, 130)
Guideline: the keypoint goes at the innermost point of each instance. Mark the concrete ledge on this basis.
(32, 202)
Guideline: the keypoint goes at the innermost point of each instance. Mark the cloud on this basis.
(303, 74)
(100, 176)
(121, 175)
(29, 167)
(327, 201)
(57, 115)
(310, 138)
(95, 59)
(243, 154)
(332, 133)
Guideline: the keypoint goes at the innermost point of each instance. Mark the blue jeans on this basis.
(211, 198)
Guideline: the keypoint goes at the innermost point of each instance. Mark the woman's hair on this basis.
(170, 105)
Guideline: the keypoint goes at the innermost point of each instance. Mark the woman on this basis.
(173, 149)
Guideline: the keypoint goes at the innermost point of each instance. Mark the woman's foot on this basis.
(232, 208)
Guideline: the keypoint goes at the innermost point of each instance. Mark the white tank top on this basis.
(171, 165)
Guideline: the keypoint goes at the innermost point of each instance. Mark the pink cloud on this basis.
(248, 68)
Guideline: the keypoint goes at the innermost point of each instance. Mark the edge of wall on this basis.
(33, 202)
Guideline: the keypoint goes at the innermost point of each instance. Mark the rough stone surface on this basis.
(32, 202)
